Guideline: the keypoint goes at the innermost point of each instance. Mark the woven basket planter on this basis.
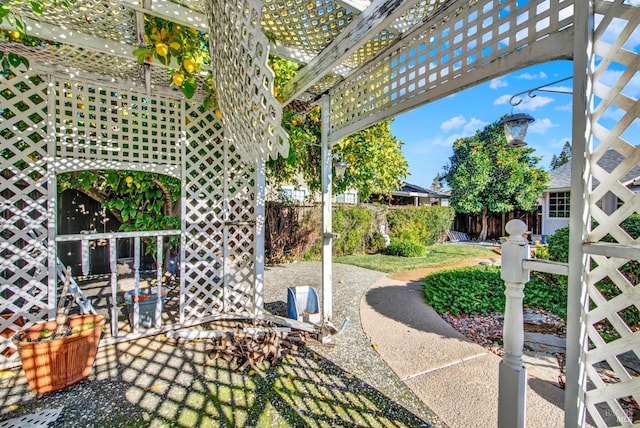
(54, 364)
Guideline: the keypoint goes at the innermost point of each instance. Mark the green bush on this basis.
(479, 290)
(405, 249)
(540, 251)
(558, 245)
(358, 230)
(421, 225)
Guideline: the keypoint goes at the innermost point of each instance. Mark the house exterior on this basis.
(411, 194)
(556, 199)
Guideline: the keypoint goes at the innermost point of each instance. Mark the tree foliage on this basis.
(487, 177)
(374, 155)
(564, 157)
(437, 183)
(139, 200)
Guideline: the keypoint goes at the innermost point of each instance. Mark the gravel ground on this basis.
(153, 382)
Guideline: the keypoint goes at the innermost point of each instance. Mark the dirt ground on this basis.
(418, 274)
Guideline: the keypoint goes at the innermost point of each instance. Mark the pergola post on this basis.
(327, 235)
(513, 376)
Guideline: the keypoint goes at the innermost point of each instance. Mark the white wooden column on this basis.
(327, 235)
(260, 202)
(513, 376)
(577, 297)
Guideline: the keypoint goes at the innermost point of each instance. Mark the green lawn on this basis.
(437, 256)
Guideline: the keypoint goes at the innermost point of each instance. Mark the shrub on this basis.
(421, 225)
(479, 290)
(541, 251)
(559, 245)
(353, 224)
(405, 249)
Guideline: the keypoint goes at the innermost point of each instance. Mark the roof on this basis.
(413, 190)
(561, 176)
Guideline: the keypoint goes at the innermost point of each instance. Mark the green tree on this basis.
(436, 184)
(374, 155)
(487, 177)
(564, 157)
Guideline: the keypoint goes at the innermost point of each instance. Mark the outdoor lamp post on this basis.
(340, 167)
(515, 128)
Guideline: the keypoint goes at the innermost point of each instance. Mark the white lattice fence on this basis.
(219, 223)
(102, 127)
(613, 317)
(464, 45)
(239, 236)
(25, 210)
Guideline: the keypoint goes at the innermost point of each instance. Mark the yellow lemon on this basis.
(189, 65)
(178, 78)
(129, 179)
(162, 49)
(218, 113)
(14, 35)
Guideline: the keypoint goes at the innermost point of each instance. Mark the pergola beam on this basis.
(55, 33)
(372, 20)
(355, 5)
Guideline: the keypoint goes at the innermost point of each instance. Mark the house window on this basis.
(346, 198)
(559, 204)
(290, 194)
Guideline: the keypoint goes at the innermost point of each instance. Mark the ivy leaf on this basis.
(141, 54)
(37, 7)
(4, 11)
(189, 87)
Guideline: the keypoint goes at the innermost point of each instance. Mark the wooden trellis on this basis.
(88, 104)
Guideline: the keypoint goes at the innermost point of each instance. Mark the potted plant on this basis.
(56, 354)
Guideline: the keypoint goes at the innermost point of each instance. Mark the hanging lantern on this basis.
(341, 168)
(515, 128)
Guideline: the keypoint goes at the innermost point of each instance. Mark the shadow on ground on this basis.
(153, 382)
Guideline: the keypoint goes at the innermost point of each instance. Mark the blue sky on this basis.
(428, 132)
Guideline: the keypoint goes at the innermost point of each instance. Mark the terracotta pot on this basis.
(55, 364)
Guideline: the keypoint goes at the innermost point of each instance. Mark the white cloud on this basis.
(529, 76)
(473, 125)
(501, 100)
(453, 123)
(466, 127)
(541, 126)
(565, 107)
(498, 83)
(532, 104)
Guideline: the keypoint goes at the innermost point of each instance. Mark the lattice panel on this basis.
(613, 318)
(244, 82)
(65, 57)
(414, 16)
(220, 222)
(239, 234)
(204, 220)
(24, 208)
(451, 45)
(303, 24)
(110, 20)
(102, 123)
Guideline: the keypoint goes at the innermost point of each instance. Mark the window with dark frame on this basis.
(559, 203)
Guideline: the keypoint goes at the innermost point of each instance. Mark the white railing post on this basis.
(513, 375)
(327, 236)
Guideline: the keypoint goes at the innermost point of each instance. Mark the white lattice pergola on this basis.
(85, 103)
